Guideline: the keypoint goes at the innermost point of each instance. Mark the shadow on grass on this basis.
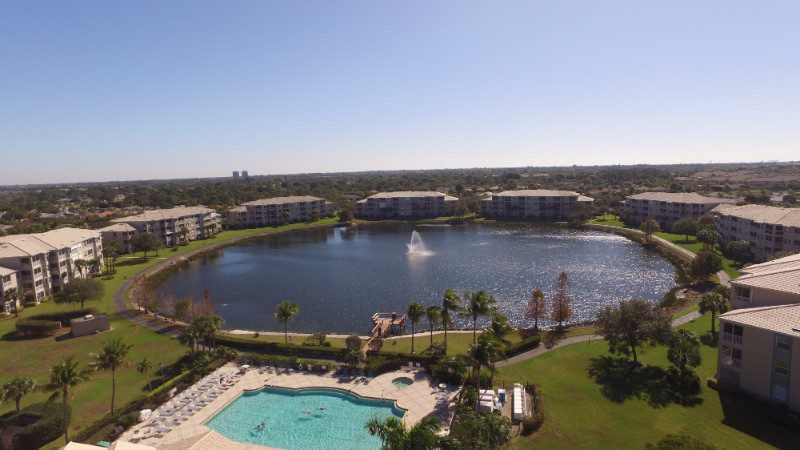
(132, 261)
(709, 339)
(620, 380)
(755, 418)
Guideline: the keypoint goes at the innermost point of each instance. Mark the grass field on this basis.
(607, 219)
(579, 415)
(35, 357)
(695, 247)
(336, 342)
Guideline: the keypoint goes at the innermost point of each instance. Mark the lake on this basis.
(341, 276)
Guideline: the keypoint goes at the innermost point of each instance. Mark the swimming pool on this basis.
(314, 418)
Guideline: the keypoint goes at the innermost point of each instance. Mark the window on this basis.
(735, 330)
(783, 342)
(23, 261)
(37, 271)
(781, 367)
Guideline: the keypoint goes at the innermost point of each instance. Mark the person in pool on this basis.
(320, 409)
(261, 426)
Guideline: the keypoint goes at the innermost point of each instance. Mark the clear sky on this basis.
(93, 91)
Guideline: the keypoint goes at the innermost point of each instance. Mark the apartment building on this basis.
(278, 211)
(406, 205)
(538, 203)
(667, 207)
(769, 229)
(759, 353)
(8, 281)
(175, 225)
(767, 284)
(47, 261)
(120, 234)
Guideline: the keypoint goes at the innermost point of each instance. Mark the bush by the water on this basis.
(41, 423)
(316, 340)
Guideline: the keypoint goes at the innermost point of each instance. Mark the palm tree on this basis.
(483, 354)
(112, 357)
(18, 388)
(110, 253)
(684, 351)
(451, 303)
(415, 313)
(395, 436)
(284, 312)
(434, 316)
(80, 264)
(64, 378)
(144, 368)
(479, 304)
(94, 264)
(15, 296)
(714, 303)
(213, 327)
(500, 327)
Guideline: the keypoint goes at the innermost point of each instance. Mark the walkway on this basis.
(540, 350)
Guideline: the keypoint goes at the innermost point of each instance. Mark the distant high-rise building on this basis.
(235, 174)
(245, 174)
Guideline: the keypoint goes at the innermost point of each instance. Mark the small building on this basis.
(767, 284)
(175, 225)
(759, 353)
(406, 205)
(120, 234)
(90, 324)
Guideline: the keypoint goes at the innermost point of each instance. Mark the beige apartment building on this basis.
(769, 229)
(8, 281)
(667, 207)
(45, 262)
(538, 203)
(278, 211)
(759, 353)
(175, 225)
(767, 284)
(406, 205)
(120, 234)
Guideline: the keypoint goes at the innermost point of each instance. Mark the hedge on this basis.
(278, 348)
(46, 424)
(138, 403)
(523, 345)
(37, 328)
(63, 316)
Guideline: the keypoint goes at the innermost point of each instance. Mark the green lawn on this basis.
(580, 416)
(457, 343)
(295, 340)
(695, 247)
(35, 357)
(608, 219)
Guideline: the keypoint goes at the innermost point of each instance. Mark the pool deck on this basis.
(421, 399)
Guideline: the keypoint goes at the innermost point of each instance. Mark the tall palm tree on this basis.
(479, 304)
(434, 316)
(484, 353)
(395, 436)
(15, 296)
(18, 388)
(80, 264)
(212, 327)
(500, 327)
(112, 357)
(284, 312)
(64, 378)
(94, 264)
(415, 313)
(451, 304)
(714, 303)
(144, 367)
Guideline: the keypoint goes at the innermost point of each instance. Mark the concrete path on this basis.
(542, 349)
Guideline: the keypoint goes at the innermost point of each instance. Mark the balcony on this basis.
(728, 337)
(741, 299)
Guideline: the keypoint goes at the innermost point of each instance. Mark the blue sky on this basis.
(93, 91)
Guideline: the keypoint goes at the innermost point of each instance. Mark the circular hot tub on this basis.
(402, 381)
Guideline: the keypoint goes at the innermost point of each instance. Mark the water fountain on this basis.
(417, 246)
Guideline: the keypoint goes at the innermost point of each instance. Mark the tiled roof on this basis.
(784, 319)
(540, 193)
(678, 197)
(6, 271)
(165, 214)
(118, 227)
(19, 245)
(400, 194)
(789, 217)
(283, 200)
(781, 275)
(64, 237)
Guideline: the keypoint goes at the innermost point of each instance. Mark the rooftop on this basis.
(784, 319)
(118, 227)
(789, 217)
(679, 197)
(539, 193)
(165, 214)
(34, 244)
(779, 275)
(283, 200)
(6, 271)
(402, 194)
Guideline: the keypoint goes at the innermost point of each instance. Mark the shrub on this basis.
(532, 424)
(41, 423)
(676, 441)
(316, 340)
(36, 328)
(278, 348)
(523, 345)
